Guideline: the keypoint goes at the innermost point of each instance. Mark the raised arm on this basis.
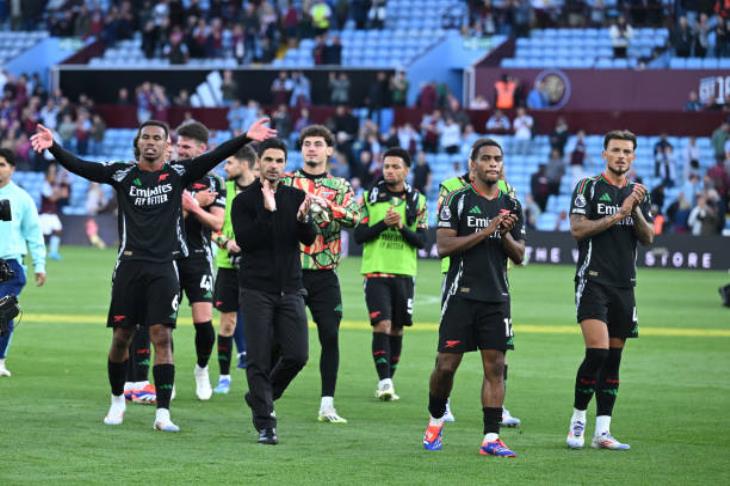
(201, 165)
(93, 171)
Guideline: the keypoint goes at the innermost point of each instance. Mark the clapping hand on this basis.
(267, 189)
(303, 211)
(393, 219)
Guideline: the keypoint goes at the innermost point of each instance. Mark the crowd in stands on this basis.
(25, 103)
(250, 32)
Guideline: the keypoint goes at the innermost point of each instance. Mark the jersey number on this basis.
(508, 327)
(206, 283)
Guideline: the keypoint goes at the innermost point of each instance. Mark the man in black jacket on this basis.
(270, 221)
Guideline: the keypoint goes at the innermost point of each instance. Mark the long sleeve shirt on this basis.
(23, 232)
(342, 210)
(270, 240)
(150, 220)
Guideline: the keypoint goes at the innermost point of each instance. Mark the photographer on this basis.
(20, 231)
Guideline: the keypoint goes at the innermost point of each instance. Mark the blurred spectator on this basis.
(532, 212)
(422, 177)
(665, 166)
(682, 38)
(49, 114)
(390, 139)
(504, 92)
(454, 110)
(301, 94)
(580, 150)
(537, 98)
(540, 187)
(559, 136)
(123, 97)
(66, 130)
(693, 102)
(430, 132)
(450, 136)
(82, 133)
(720, 177)
(229, 88)
(378, 96)
(299, 125)
(333, 52)
(523, 131)
(408, 138)
(377, 14)
(236, 116)
(554, 171)
(691, 187)
(175, 50)
(281, 88)
(427, 97)
(719, 137)
(144, 102)
(479, 103)
(621, 34)
(321, 15)
(338, 165)
(398, 88)
(183, 99)
(720, 40)
(318, 51)
(339, 85)
(701, 34)
(96, 202)
(498, 123)
(563, 221)
(703, 218)
(96, 135)
(691, 153)
(281, 122)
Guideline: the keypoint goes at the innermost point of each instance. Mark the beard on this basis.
(312, 163)
(618, 171)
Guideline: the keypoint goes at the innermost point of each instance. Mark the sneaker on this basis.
(3, 370)
(55, 256)
(496, 448)
(163, 422)
(508, 420)
(607, 441)
(331, 416)
(241, 361)
(115, 415)
(448, 416)
(203, 389)
(576, 434)
(146, 395)
(386, 391)
(224, 386)
(267, 436)
(432, 437)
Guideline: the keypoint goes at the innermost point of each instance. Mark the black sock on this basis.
(381, 354)
(492, 418)
(436, 406)
(224, 353)
(585, 380)
(608, 382)
(204, 340)
(396, 345)
(141, 346)
(164, 380)
(116, 373)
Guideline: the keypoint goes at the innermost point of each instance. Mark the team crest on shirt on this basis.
(445, 213)
(580, 201)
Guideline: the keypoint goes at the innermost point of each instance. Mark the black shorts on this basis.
(323, 298)
(616, 306)
(468, 325)
(226, 290)
(390, 299)
(196, 279)
(144, 293)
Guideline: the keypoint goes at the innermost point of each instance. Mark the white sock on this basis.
(603, 424)
(223, 377)
(386, 381)
(491, 437)
(162, 415)
(435, 421)
(327, 403)
(578, 416)
(2, 362)
(118, 403)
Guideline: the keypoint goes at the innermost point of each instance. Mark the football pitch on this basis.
(672, 406)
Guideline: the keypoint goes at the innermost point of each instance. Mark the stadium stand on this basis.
(12, 44)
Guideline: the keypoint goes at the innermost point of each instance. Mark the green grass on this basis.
(672, 406)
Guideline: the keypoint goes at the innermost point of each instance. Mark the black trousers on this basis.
(272, 320)
(325, 302)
